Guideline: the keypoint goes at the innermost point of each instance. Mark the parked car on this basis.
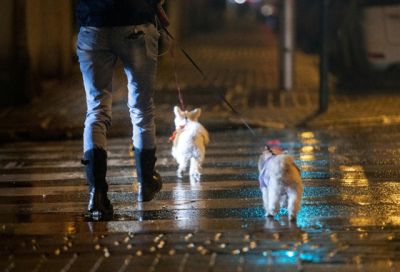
(364, 35)
(381, 32)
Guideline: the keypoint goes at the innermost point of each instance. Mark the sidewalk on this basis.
(241, 64)
(349, 215)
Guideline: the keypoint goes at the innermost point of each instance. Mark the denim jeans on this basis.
(98, 50)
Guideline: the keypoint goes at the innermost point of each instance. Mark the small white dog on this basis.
(189, 142)
(280, 183)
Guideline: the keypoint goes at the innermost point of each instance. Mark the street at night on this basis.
(348, 219)
(348, 156)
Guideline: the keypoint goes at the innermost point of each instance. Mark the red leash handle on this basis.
(162, 16)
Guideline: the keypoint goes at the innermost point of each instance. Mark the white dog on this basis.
(189, 142)
(280, 183)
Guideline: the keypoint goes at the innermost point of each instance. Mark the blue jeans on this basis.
(98, 50)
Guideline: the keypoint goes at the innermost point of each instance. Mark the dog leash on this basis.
(270, 150)
(220, 95)
(178, 87)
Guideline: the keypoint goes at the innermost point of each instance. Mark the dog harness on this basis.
(264, 176)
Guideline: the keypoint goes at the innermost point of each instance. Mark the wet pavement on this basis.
(348, 221)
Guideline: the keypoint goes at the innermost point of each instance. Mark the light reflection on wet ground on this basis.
(349, 217)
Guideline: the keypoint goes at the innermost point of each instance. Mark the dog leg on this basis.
(195, 168)
(284, 201)
(273, 202)
(293, 205)
(264, 192)
(181, 168)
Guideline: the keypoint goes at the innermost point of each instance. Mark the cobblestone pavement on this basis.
(348, 220)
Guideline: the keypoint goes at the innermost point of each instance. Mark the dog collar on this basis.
(173, 136)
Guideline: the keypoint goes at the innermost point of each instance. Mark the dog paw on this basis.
(179, 174)
(195, 176)
(269, 214)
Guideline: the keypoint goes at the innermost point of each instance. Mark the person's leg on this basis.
(97, 64)
(95, 161)
(138, 51)
(137, 47)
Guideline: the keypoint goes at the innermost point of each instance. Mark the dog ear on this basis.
(195, 114)
(177, 111)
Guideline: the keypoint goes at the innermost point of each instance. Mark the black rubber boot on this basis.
(95, 161)
(149, 180)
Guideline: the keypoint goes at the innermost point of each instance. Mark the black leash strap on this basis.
(270, 150)
(220, 95)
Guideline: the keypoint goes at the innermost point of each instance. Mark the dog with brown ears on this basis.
(189, 142)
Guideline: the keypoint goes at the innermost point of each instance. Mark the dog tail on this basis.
(205, 135)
